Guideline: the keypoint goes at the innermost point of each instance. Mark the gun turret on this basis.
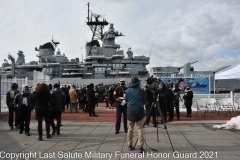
(186, 63)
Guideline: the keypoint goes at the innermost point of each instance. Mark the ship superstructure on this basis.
(102, 61)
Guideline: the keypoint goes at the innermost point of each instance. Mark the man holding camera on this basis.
(148, 103)
(135, 98)
(121, 108)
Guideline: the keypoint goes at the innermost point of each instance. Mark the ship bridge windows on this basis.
(117, 66)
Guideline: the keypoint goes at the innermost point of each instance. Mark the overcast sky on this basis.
(170, 32)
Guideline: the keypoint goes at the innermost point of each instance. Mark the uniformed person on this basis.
(121, 107)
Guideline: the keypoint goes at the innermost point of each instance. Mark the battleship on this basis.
(104, 63)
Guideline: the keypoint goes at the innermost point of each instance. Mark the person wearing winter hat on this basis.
(10, 104)
(135, 98)
(188, 96)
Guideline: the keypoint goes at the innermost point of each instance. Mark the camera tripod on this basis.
(157, 109)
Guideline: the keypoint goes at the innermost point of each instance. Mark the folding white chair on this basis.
(224, 106)
(237, 106)
(211, 104)
(201, 106)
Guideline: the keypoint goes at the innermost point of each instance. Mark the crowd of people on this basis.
(50, 101)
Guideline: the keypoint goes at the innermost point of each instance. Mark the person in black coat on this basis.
(11, 107)
(106, 93)
(66, 91)
(111, 96)
(148, 103)
(43, 101)
(91, 100)
(188, 96)
(25, 103)
(58, 99)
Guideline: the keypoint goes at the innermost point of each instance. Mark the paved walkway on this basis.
(96, 140)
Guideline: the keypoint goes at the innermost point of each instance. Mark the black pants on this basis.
(189, 110)
(119, 113)
(170, 111)
(57, 115)
(13, 110)
(44, 115)
(91, 108)
(106, 102)
(176, 105)
(24, 119)
(82, 104)
(150, 113)
(163, 107)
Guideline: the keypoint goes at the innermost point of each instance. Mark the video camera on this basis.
(158, 87)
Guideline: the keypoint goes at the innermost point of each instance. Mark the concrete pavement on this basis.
(97, 140)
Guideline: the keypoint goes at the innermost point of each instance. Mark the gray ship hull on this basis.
(79, 82)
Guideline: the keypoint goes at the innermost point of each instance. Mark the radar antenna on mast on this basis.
(96, 25)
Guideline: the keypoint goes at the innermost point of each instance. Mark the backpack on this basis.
(10, 97)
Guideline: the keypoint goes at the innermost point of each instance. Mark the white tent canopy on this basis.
(233, 73)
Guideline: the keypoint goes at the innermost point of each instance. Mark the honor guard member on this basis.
(121, 107)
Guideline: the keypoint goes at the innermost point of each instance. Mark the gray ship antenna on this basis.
(88, 11)
(97, 25)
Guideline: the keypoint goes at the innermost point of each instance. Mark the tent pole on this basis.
(214, 85)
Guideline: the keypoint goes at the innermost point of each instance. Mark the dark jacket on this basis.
(148, 96)
(43, 101)
(10, 97)
(58, 100)
(135, 98)
(18, 100)
(90, 96)
(106, 93)
(188, 97)
(170, 96)
(66, 91)
(110, 94)
(119, 92)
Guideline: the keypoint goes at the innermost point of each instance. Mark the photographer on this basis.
(135, 98)
(148, 103)
(163, 100)
(121, 108)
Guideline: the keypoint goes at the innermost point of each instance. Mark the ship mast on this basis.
(96, 25)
